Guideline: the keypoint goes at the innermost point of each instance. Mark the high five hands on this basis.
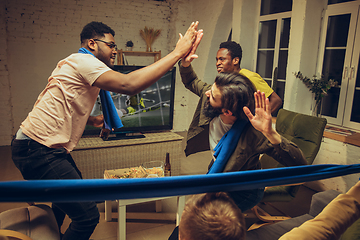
(190, 56)
(186, 43)
(262, 121)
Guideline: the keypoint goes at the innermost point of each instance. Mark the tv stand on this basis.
(129, 135)
(93, 156)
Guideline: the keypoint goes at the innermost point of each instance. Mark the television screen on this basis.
(150, 110)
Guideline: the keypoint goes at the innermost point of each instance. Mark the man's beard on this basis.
(209, 111)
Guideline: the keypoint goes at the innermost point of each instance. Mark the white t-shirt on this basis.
(61, 111)
(217, 128)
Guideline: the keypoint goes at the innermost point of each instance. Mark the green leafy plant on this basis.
(318, 86)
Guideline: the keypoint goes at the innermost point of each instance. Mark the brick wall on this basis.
(58, 21)
(6, 123)
(38, 33)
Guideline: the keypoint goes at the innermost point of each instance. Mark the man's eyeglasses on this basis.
(111, 45)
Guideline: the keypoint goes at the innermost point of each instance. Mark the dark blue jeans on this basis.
(36, 161)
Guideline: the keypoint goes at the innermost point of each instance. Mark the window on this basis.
(339, 60)
(273, 43)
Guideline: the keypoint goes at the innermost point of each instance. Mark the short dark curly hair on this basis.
(234, 49)
(95, 29)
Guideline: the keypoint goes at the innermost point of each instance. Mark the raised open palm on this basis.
(262, 119)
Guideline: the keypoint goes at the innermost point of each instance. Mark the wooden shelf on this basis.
(342, 135)
(120, 53)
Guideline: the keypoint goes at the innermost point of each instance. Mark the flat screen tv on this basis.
(150, 110)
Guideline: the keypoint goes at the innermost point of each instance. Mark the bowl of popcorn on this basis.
(153, 169)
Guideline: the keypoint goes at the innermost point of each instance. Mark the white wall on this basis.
(245, 30)
(305, 26)
(335, 152)
(215, 19)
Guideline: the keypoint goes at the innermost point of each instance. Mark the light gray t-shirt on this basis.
(217, 128)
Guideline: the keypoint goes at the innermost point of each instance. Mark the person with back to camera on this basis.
(41, 148)
(211, 216)
(214, 216)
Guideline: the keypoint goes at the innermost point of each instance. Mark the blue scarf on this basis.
(226, 146)
(111, 117)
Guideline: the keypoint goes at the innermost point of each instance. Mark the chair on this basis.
(306, 132)
(35, 222)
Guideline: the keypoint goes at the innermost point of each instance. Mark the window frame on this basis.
(278, 17)
(344, 110)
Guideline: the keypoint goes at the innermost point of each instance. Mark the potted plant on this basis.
(319, 87)
(129, 45)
